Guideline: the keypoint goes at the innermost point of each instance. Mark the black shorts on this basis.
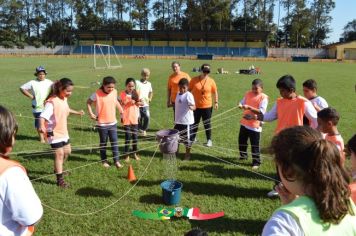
(184, 134)
(59, 145)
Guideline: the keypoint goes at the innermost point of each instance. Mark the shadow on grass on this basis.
(151, 199)
(225, 173)
(93, 192)
(212, 189)
(228, 225)
(26, 137)
(48, 154)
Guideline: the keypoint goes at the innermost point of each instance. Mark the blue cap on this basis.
(40, 69)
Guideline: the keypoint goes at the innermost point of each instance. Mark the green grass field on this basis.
(100, 201)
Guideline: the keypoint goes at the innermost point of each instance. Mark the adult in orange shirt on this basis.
(173, 80)
(203, 89)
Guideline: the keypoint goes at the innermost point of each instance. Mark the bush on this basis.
(20, 45)
(36, 43)
(51, 45)
(8, 44)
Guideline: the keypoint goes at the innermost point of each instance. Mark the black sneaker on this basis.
(62, 184)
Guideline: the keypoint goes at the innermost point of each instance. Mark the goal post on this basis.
(105, 57)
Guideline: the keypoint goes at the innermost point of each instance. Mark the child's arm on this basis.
(43, 123)
(192, 107)
(80, 112)
(90, 111)
(150, 96)
(119, 107)
(27, 93)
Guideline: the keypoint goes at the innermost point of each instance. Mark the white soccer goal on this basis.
(105, 57)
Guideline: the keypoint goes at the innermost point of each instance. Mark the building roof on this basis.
(337, 44)
(173, 35)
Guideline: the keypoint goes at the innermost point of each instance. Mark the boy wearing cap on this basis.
(37, 90)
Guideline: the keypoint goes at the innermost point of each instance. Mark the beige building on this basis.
(342, 51)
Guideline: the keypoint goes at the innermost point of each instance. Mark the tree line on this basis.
(51, 22)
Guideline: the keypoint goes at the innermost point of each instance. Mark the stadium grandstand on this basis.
(176, 43)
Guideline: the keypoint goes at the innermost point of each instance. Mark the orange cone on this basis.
(131, 175)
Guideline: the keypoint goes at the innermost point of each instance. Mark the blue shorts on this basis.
(37, 119)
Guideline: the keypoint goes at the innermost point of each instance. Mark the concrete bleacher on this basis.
(178, 51)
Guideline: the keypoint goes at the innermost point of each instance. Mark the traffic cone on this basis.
(131, 175)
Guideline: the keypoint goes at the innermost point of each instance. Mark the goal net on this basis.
(105, 57)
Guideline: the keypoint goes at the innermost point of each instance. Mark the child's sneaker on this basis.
(106, 164)
(209, 143)
(127, 159)
(62, 184)
(144, 133)
(136, 157)
(118, 165)
(255, 167)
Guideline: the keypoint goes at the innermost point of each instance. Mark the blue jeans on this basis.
(110, 132)
(130, 134)
(144, 119)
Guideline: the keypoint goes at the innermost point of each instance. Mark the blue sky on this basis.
(344, 12)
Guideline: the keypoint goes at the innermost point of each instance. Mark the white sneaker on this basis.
(272, 193)
(209, 143)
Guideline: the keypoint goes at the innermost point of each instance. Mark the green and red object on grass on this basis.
(167, 213)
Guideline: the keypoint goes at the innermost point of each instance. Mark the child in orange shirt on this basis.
(129, 99)
(53, 122)
(254, 102)
(106, 102)
(328, 119)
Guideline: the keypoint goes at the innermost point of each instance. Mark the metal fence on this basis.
(289, 52)
(58, 50)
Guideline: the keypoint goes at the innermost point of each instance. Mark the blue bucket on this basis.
(171, 191)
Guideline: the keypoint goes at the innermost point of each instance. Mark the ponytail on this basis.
(301, 154)
(327, 180)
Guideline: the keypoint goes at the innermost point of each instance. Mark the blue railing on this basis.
(177, 51)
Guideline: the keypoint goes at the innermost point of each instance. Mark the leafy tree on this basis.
(349, 33)
(320, 10)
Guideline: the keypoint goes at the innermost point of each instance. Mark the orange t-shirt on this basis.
(173, 81)
(202, 91)
(61, 113)
(254, 101)
(131, 111)
(106, 106)
(339, 142)
(290, 112)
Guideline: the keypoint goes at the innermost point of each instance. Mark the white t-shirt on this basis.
(19, 203)
(144, 89)
(282, 224)
(48, 114)
(184, 115)
(321, 102)
(40, 90)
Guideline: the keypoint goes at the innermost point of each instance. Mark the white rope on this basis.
(111, 204)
